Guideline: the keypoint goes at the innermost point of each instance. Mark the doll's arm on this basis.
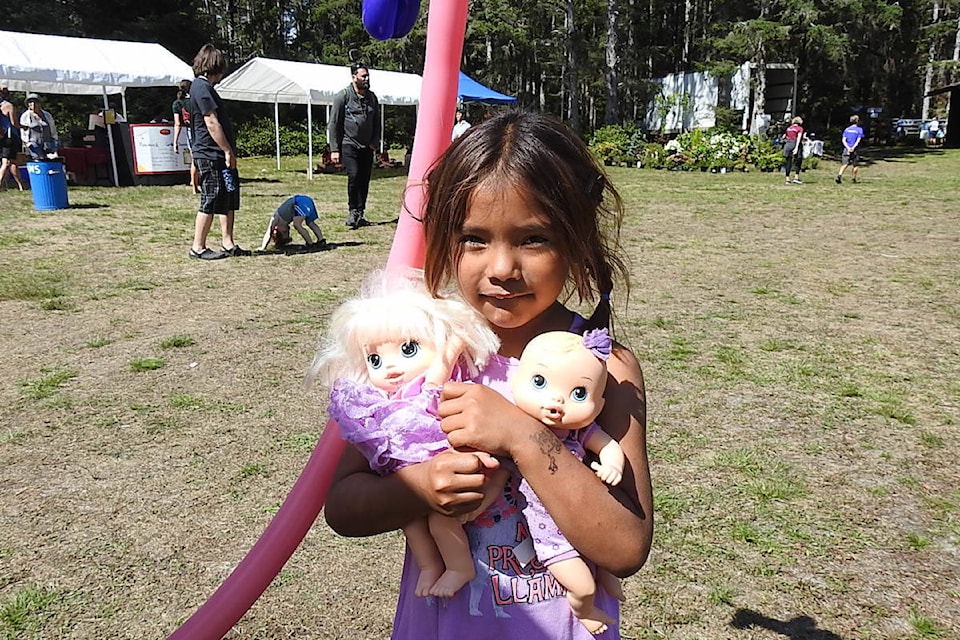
(439, 371)
(362, 503)
(610, 467)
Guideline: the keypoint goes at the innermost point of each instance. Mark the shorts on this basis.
(214, 197)
(10, 148)
(306, 208)
(849, 157)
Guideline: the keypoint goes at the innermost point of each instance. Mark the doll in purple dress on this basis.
(560, 381)
(385, 356)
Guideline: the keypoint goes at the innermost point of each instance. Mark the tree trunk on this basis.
(570, 69)
(612, 114)
(928, 75)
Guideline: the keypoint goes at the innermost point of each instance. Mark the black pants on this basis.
(359, 164)
(791, 161)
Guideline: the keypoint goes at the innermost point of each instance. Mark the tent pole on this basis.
(123, 101)
(309, 136)
(113, 151)
(276, 127)
(382, 122)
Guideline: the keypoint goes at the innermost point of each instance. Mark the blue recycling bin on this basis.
(48, 182)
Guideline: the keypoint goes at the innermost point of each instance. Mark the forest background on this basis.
(589, 62)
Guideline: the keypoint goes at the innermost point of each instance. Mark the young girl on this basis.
(384, 357)
(295, 210)
(516, 215)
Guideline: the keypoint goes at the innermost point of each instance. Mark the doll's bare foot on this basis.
(428, 577)
(450, 582)
(593, 618)
(595, 626)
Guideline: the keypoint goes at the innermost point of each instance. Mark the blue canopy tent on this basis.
(469, 90)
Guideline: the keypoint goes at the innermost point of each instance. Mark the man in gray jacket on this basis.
(354, 135)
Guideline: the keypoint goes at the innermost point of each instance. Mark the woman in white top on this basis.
(41, 131)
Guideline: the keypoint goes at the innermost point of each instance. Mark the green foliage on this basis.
(763, 155)
(617, 144)
(146, 364)
(257, 138)
(25, 613)
(49, 384)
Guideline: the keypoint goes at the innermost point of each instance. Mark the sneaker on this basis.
(235, 251)
(363, 222)
(352, 218)
(837, 179)
(855, 181)
(787, 181)
(797, 181)
(319, 245)
(206, 254)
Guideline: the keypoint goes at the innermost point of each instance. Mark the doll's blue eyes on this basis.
(408, 349)
(538, 381)
(579, 394)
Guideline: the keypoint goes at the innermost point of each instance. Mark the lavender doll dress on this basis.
(390, 431)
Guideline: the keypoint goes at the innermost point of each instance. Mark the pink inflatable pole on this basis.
(280, 539)
(446, 25)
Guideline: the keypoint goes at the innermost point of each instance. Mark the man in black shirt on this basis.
(354, 135)
(215, 155)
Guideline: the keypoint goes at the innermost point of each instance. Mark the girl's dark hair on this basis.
(548, 162)
(209, 61)
(281, 238)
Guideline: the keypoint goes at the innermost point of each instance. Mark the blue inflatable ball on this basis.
(385, 19)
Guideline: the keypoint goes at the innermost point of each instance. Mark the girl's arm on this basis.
(617, 529)
(362, 503)
(266, 234)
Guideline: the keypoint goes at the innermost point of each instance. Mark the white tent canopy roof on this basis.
(287, 82)
(65, 65)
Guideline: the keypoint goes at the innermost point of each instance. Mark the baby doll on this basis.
(560, 381)
(384, 358)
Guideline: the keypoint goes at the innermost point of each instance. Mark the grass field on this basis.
(800, 345)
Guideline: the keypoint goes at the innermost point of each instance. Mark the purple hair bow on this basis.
(598, 341)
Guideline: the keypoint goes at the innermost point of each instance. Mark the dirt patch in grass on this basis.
(799, 344)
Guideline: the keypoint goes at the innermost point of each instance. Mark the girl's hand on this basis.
(477, 418)
(452, 483)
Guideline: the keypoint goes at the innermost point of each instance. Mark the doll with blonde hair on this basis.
(384, 357)
(560, 381)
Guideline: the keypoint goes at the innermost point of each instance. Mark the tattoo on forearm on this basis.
(549, 446)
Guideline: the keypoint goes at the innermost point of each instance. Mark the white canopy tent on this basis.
(276, 81)
(85, 66)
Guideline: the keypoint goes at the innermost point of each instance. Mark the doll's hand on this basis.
(439, 371)
(455, 483)
(609, 474)
(477, 418)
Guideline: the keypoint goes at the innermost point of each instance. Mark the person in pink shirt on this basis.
(793, 151)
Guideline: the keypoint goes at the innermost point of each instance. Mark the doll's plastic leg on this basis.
(611, 584)
(455, 550)
(426, 555)
(581, 589)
